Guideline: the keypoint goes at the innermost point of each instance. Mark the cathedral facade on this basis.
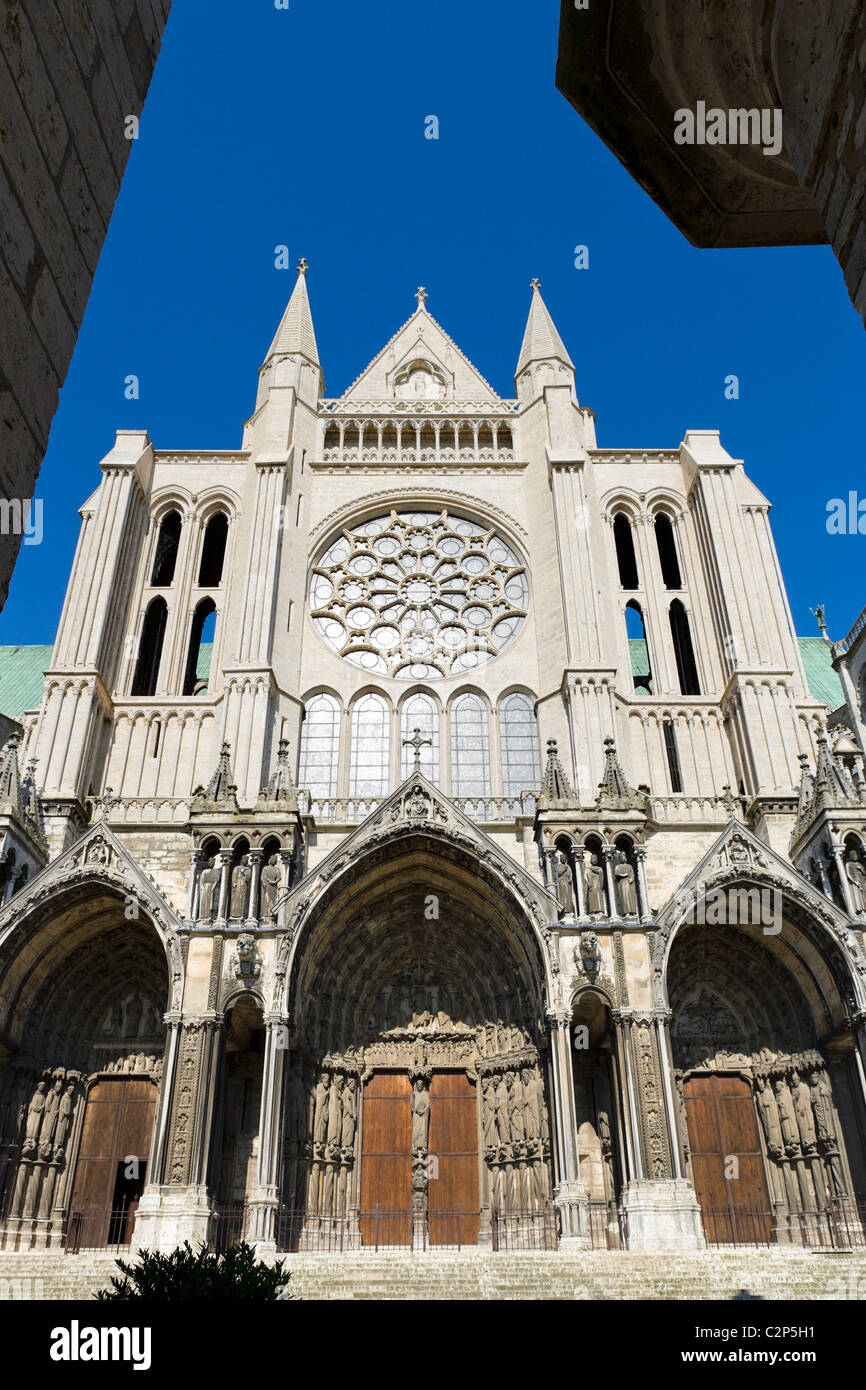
(428, 834)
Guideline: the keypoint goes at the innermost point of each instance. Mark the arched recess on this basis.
(625, 554)
(165, 553)
(84, 988)
(687, 669)
(213, 550)
(238, 1114)
(150, 648)
(418, 974)
(765, 1064)
(597, 1111)
(200, 650)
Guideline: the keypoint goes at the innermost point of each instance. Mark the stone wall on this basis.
(71, 71)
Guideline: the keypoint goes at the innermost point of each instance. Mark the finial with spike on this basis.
(421, 296)
(535, 283)
(303, 265)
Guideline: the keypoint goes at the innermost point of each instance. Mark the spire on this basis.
(613, 789)
(295, 333)
(221, 791)
(555, 784)
(541, 341)
(10, 779)
(281, 786)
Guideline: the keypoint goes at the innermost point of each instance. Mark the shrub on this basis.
(233, 1274)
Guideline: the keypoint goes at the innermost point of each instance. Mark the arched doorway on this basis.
(85, 984)
(770, 1100)
(416, 1103)
(597, 1114)
(238, 1118)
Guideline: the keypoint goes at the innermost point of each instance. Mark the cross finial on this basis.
(420, 295)
(417, 742)
(535, 283)
(303, 265)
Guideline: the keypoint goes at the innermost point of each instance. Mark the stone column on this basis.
(642, 893)
(196, 859)
(286, 857)
(576, 855)
(569, 1195)
(612, 908)
(255, 858)
(264, 1199)
(659, 1205)
(176, 1208)
(224, 858)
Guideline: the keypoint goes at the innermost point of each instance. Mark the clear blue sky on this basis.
(306, 127)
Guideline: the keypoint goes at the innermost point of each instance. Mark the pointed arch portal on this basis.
(416, 1091)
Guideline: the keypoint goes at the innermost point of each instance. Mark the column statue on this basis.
(593, 878)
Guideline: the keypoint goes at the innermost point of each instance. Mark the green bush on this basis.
(233, 1274)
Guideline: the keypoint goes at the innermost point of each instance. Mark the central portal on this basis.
(417, 1087)
(419, 1160)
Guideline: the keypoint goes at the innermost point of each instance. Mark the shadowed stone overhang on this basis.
(628, 67)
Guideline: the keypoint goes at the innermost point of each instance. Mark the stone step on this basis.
(480, 1275)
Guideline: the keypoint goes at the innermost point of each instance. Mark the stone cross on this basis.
(303, 265)
(535, 284)
(420, 295)
(417, 742)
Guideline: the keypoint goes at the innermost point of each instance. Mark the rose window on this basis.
(419, 595)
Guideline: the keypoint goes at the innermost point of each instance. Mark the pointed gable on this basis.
(421, 363)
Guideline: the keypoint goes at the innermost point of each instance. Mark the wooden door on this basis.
(723, 1127)
(386, 1160)
(118, 1124)
(453, 1213)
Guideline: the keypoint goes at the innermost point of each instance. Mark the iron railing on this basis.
(838, 1225)
(100, 1228)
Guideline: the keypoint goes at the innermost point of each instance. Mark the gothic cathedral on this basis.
(428, 833)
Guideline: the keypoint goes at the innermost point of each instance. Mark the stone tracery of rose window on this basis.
(419, 595)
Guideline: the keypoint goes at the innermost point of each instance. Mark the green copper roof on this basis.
(21, 670)
(823, 681)
(824, 684)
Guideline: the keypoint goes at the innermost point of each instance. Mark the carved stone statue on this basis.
(270, 881)
(35, 1111)
(593, 878)
(488, 1112)
(320, 1122)
(769, 1116)
(420, 1116)
(49, 1116)
(586, 953)
(65, 1112)
(335, 1122)
(531, 1104)
(822, 1107)
(787, 1116)
(856, 876)
(241, 875)
(803, 1107)
(623, 877)
(500, 1100)
(247, 967)
(564, 884)
(350, 1115)
(515, 1108)
(209, 881)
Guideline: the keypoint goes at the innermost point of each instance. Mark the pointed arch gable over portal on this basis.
(90, 963)
(417, 972)
(739, 858)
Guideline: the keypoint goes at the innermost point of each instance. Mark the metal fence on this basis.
(382, 1228)
(100, 1228)
(840, 1225)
